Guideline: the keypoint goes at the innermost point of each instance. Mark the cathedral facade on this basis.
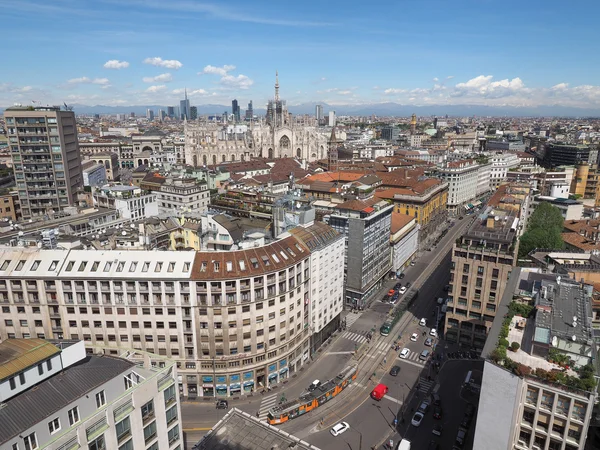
(275, 137)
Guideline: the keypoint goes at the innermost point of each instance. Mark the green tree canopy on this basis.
(543, 230)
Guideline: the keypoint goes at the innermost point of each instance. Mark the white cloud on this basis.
(346, 92)
(449, 77)
(116, 64)
(436, 79)
(159, 62)
(483, 86)
(394, 91)
(155, 89)
(239, 82)
(162, 78)
(212, 70)
(190, 93)
(560, 87)
(86, 80)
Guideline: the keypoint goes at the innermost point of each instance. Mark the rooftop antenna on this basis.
(67, 107)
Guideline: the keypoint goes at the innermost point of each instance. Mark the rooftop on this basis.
(34, 405)
(19, 354)
(241, 431)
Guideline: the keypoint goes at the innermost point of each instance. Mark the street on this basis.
(370, 421)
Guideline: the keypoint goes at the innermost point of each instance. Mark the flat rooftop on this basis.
(241, 431)
(504, 229)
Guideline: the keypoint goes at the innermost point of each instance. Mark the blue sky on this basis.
(136, 52)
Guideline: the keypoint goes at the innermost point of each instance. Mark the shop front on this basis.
(208, 388)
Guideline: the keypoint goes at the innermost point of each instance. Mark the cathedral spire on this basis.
(276, 86)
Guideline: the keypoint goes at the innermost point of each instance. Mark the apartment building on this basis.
(367, 260)
(46, 158)
(462, 178)
(481, 262)
(586, 182)
(539, 397)
(501, 164)
(182, 195)
(404, 240)
(130, 201)
(56, 396)
(235, 321)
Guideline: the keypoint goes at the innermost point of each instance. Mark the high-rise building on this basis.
(193, 112)
(332, 119)
(102, 401)
(46, 158)
(171, 112)
(319, 113)
(250, 111)
(161, 114)
(235, 110)
(150, 114)
(184, 108)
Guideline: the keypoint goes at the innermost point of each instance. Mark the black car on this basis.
(407, 284)
(397, 285)
(395, 371)
(437, 413)
(222, 404)
(401, 276)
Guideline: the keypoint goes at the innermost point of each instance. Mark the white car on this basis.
(404, 353)
(339, 428)
(412, 263)
(423, 322)
(417, 419)
(402, 290)
(414, 337)
(433, 332)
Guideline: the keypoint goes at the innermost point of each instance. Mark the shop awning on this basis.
(273, 375)
(284, 370)
(235, 386)
(248, 383)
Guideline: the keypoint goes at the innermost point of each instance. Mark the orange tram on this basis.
(312, 400)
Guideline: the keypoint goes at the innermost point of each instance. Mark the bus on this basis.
(312, 400)
(385, 329)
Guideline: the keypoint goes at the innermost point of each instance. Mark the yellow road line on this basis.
(187, 430)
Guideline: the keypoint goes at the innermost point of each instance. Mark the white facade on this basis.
(483, 178)
(374, 152)
(176, 196)
(405, 244)
(332, 118)
(129, 201)
(501, 164)
(462, 177)
(327, 283)
(95, 175)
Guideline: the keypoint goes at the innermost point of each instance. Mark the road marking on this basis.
(187, 430)
(411, 363)
(395, 400)
(267, 403)
(358, 338)
(339, 353)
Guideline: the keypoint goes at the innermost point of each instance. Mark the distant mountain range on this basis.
(379, 109)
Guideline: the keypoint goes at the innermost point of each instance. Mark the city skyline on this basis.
(149, 52)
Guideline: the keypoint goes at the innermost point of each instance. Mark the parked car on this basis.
(433, 332)
(437, 429)
(460, 437)
(437, 413)
(470, 410)
(424, 407)
(423, 322)
(417, 419)
(428, 342)
(407, 284)
(424, 355)
(414, 337)
(405, 352)
(397, 285)
(401, 276)
(222, 404)
(402, 290)
(339, 428)
(395, 371)
(435, 399)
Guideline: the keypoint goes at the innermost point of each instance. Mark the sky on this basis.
(435, 52)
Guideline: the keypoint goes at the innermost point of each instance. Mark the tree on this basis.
(515, 346)
(543, 230)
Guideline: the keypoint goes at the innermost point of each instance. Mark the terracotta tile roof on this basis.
(342, 175)
(497, 197)
(461, 163)
(248, 263)
(581, 242)
(399, 221)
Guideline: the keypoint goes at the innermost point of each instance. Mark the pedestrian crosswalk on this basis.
(425, 385)
(414, 357)
(351, 318)
(381, 347)
(266, 404)
(357, 336)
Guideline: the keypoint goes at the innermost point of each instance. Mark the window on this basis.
(30, 442)
(171, 414)
(169, 394)
(22, 378)
(97, 444)
(123, 429)
(127, 445)
(49, 364)
(150, 432)
(100, 399)
(173, 434)
(13, 384)
(73, 416)
(148, 410)
(54, 425)
(40, 369)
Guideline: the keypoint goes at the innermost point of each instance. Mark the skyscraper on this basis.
(319, 113)
(193, 113)
(184, 108)
(235, 110)
(46, 158)
(171, 112)
(332, 118)
(249, 111)
(149, 114)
